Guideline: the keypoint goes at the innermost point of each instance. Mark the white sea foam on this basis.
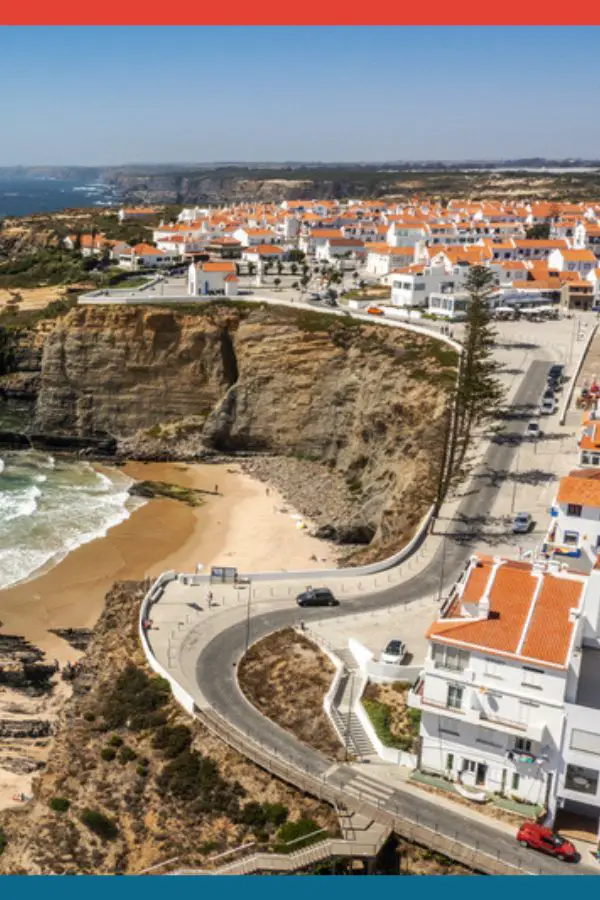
(45, 515)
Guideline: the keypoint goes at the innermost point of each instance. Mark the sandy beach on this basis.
(243, 524)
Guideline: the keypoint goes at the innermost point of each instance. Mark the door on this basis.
(480, 774)
(503, 782)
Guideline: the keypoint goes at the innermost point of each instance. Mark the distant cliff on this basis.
(361, 402)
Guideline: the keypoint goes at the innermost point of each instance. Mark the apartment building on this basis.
(509, 689)
(575, 517)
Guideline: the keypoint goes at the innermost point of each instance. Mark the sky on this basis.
(110, 96)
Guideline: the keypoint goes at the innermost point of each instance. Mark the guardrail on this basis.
(575, 376)
(412, 830)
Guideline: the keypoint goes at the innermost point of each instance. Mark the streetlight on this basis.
(514, 492)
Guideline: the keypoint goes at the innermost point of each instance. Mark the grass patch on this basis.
(59, 804)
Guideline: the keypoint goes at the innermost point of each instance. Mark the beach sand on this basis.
(245, 525)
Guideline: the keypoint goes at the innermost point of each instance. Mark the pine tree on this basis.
(478, 390)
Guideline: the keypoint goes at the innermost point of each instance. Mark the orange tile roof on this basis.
(524, 623)
(264, 250)
(581, 487)
(578, 256)
(225, 266)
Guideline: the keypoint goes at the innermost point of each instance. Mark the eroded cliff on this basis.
(365, 402)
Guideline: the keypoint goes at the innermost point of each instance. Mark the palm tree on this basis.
(277, 282)
(251, 269)
(279, 267)
(293, 268)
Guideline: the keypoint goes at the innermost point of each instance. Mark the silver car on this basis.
(521, 523)
(394, 653)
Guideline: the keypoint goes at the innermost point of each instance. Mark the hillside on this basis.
(361, 406)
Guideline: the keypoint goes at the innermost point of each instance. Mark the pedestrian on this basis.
(216, 488)
(209, 597)
(268, 492)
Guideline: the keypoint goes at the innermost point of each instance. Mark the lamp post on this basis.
(248, 598)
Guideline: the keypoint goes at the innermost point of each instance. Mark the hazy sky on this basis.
(115, 95)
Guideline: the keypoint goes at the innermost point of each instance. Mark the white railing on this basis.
(575, 376)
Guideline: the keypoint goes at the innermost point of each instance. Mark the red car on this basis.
(530, 834)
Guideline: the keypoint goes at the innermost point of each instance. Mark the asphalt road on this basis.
(216, 665)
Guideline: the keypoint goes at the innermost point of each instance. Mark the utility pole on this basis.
(248, 615)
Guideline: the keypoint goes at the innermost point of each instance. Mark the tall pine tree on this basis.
(479, 392)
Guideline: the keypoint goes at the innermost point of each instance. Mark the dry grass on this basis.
(286, 677)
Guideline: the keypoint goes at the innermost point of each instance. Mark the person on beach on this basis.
(268, 492)
(216, 488)
(209, 598)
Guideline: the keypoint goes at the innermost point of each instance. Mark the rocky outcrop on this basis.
(361, 402)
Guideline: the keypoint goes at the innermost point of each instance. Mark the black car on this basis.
(556, 373)
(316, 597)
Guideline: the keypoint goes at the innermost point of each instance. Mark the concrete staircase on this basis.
(363, 838)
(344, 718)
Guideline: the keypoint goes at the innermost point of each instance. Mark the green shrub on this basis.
(108, 754)
(116, 741)
(142, 771)
(59, 804)
(136, 700)
(379, 714)
(209, 847)
(126, 754)
(301, 833)
(100, 824)
(89, 716)
(193, 778)
(2, 842)
(172, 740)
(277, 813)
(254, 815)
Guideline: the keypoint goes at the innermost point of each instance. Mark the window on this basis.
(449, 658)
(494, 668)
(573, 509)
(584, 781)
(455, 696)
(522, 745)
(585, 742)
(515, 781)
(585, 458)
(526, 710)
(489, 737)
(449, 762)
(447, 726)
(571, 538)
(532, 677)
(468, 765)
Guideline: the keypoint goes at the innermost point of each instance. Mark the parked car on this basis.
(316, 597)
(533, 431)
(394, 653)
(374, 311)
(556, 373)
(548, 406)
(530, 834)
(548, 394)
(521, 523)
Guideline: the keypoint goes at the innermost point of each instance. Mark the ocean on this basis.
(25, 196)
(51, 505)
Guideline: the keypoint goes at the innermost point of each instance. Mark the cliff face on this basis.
(365, 402)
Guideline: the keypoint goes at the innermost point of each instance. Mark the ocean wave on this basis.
(46, 515)
(19, 504)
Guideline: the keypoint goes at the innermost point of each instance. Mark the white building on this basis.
(212, 278)
(252, 237)
(145, 256)
(382, 259)
(575, 516)
(582, 261)
(413, 286)
(340, 248)
(502, 685)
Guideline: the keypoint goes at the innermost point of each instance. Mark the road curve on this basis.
(216, 665)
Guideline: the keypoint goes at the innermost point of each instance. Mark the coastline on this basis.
(246, 524)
